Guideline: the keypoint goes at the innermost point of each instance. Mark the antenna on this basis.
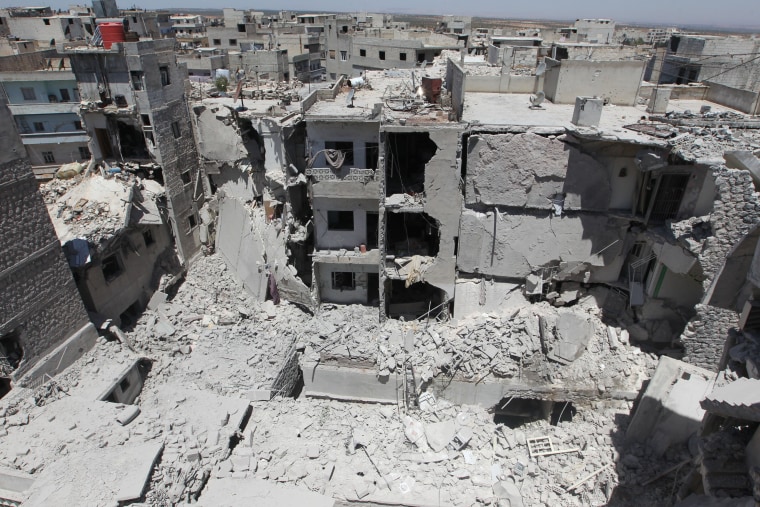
(350, 98)
(537, 99)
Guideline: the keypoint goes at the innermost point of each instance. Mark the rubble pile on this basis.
(218, 334)
(455, 455)
(95, 206)
(706, 143)
(533, 343)
(506, 345)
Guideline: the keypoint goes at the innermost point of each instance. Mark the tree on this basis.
(221, 83)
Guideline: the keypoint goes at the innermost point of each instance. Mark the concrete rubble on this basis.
(363, 294)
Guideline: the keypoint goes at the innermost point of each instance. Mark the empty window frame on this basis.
(344, 56)
(346, 147)
(186, 178)
(669, 191)
(343, 280)
(165, 78)
(402, 57)
(340, 220)
(137, 79)
(48, 157)
(111, 267)
(175, 130)
(39, 126)
(28, 93)
(362, 52)
(191, 222)
(148, 237)
(382, 55)
(233, 42)
(84, 152)
(65, 97)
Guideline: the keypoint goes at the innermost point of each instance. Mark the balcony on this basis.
(76, 136)
(44, 108)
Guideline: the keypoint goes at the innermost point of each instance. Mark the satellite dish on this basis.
(537, 99)
(541, 69)
(350, 98)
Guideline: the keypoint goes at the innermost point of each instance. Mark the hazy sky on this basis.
(744, 13)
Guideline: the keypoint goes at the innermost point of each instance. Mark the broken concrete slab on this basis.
(222, 492)
(669, 411)
(128, 414)
(525, 243)
(122, 474)
(528, 170)
(573, 333)
(739, 399)
(440, 434)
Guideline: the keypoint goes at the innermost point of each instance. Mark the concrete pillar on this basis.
(658, 101)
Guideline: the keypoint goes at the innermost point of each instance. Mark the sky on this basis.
(727, 13)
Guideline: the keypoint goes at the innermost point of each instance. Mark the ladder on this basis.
(410, 387)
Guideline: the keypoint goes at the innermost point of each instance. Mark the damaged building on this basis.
(135, 110)
(535, 290)
(43, 323)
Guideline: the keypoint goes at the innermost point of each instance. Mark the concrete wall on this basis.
(253, 249)
(25, 62)
(325, 238)
(747, 101)
(677, 92)
(456, 83)
(272, 65)
(42, 89)
(527, 170)
(505, 83)
(358, 133)
(524, 242)
(617, 81)
(359, 294)
(58, 28)
(443, 202)
(38, 297)
(113, 297)
(63, 153)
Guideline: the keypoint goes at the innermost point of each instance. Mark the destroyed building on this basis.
(134, 108)
(532, 301)
(115, 238)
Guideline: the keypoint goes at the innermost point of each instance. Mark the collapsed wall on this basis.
(735, 215)
(243, 158)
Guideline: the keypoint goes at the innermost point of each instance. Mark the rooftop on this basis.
(513, 110)
(96, 208)
(397, 91)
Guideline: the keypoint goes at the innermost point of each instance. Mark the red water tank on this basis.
(111, 32)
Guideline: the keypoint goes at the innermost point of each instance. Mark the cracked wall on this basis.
(528, 170)
(525, 242)
(253, 248)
